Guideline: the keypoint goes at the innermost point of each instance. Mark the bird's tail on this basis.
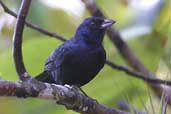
(45, 77)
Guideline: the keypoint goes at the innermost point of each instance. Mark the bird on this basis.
(78, 60)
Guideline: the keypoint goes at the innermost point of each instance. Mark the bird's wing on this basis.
(56, 59)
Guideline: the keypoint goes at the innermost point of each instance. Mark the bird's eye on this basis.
(92, 24)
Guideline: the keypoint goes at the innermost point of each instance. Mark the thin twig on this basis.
(17, 41)
(138, 75)
(33, 26)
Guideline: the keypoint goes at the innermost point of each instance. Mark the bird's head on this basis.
(92, 29)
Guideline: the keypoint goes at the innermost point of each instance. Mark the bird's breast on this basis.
(87, 63)
(83, 65)
(90, 57)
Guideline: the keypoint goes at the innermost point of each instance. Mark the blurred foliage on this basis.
(163, 23)
(117, 85)
(115, 9)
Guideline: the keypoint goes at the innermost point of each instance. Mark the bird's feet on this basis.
(76, 88)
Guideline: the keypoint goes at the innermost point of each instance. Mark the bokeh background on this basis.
(143, 24)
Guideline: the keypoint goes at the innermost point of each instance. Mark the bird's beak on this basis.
(107, 23)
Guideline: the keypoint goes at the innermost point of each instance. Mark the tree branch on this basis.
(64, 95)
(17, 41)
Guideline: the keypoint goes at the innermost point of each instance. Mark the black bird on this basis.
(78, 60)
